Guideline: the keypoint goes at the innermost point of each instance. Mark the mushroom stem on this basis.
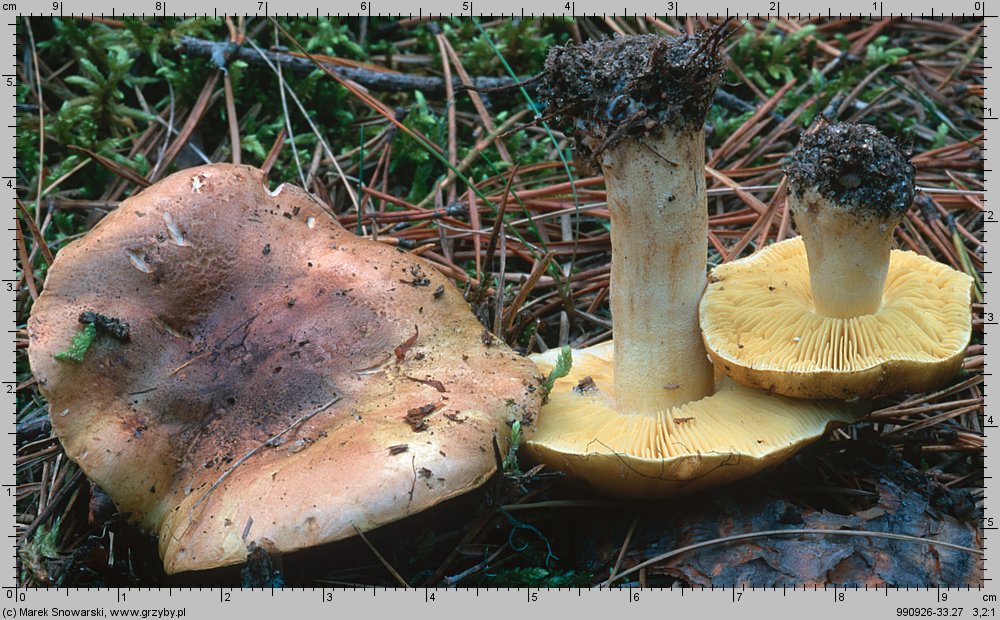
(638, 106)
(656, 196)
(849, 186)
(848, 255)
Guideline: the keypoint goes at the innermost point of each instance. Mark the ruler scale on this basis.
(720, 601)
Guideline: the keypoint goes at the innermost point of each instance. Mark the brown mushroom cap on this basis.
(760, 328)
(271, 386)
(729, 435)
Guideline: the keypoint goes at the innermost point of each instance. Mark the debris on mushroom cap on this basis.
(854, 166)
(730, 435)
(760, 329)
(630, 86)
(258, 395)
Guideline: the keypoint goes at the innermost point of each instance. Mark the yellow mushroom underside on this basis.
(718, 439)
(760, 327)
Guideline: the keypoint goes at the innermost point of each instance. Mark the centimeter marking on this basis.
(15, 594)
(941, 592)
(420, 15)
(468, 10)
(989, 121)
(9, 81)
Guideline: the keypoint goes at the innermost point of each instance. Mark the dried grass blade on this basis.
(739, 134)
(522, 295)
(113, 166)
(36, 234)
(196, 114)
(272, 155)
(27, 271)
(234, 130)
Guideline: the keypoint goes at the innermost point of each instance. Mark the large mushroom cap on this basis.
(282, 378)
(760, 327)
(734, 433)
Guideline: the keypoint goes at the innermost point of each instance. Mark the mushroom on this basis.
(281, 380)
(838, 313)
(643, 416)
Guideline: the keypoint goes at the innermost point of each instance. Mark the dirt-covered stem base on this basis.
(849, 186)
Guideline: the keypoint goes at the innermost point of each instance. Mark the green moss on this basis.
(79, 346)
(561, 369)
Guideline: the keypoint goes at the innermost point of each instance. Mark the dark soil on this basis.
(855, 166)
(114, 327)
(861, 485)
(889, 496)
(631, 86)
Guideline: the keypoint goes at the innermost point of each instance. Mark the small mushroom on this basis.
(837, 313)
(653, 422)
(231, 415)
